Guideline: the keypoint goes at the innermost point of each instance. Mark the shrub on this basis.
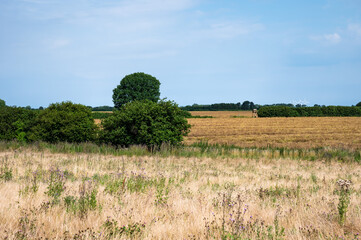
(16, 123)
(327, 111)
(145, 123)
(65, 122)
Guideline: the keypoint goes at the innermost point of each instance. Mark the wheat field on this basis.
(92, 196)
(239, 129)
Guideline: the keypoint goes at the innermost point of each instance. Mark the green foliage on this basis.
(2, 103)
(65, 122)
(100, 115)
(56, 185)
(136, 87)
(162, 192)
(102, 108)
(83, 204)
(344, 199)
(145, 123)
(16, 123)
(359, 104)
(113, 231)
(245, 106)
(6, 173)
(325, 111)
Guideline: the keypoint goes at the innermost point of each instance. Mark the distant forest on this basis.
(245, 106)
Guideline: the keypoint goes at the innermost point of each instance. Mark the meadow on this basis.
(275, 178)
(52, 195)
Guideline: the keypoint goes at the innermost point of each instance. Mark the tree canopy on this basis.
(2, 103)
(137, 86)
(359, 104)
(65, 122)
(145, 123)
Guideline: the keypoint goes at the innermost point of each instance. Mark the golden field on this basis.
(300, 132)
(92, 196)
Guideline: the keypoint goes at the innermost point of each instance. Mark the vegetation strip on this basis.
(201, 149)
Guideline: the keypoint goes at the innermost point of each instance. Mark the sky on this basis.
(202, 51)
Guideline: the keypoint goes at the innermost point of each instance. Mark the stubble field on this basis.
(239, 129)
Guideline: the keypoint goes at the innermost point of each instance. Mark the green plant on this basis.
(344, 199)
(6, 173)
(329, 111)
(145, 123)
(162, 193)
(56, 185)
(115, 187)
(136, 87)
(65, 122)
(85, 202)
(113, 231)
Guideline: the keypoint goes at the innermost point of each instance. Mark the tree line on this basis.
(317, 111)
(139, 118)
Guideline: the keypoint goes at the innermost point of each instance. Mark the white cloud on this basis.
(333, 38)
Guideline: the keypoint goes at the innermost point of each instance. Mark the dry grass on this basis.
(307, 132)
(174, 198)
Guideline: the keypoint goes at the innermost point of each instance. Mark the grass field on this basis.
(93, 196)
(286, 186)
(306, 132)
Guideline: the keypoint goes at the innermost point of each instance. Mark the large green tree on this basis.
(137, 86)
(2, 103)
(359, 104)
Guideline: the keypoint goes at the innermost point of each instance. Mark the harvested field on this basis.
(300, 132)
(92, 196)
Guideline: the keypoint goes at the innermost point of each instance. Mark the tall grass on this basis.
(200, 149)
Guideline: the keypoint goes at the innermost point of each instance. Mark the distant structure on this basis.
(254, 113)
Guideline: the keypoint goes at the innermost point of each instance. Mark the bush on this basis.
(329, 111)
(145, 123)
(65, 122)
(101, 115)
(16, 123)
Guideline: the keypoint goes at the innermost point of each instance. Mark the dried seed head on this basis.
(344, 184)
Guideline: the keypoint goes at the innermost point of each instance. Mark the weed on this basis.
(85, 202)
(162, 193)
(113, 231)
(344, 199)
(115, 187)
(56, 185)
(6, 174)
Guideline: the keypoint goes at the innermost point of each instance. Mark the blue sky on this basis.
(202, 51)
